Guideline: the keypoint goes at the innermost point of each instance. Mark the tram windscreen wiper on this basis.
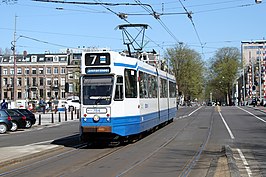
(98, 99)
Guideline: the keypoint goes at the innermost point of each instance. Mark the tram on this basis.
(123, 97)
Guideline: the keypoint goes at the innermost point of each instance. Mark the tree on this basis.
(224, 68)
(188, 68)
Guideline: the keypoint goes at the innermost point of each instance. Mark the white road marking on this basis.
(227, 127)
(244, 162)
(252, 114)
(238, 150)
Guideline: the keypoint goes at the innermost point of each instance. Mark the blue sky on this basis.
(55, 26)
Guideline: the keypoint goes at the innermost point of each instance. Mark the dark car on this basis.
(5, 121)
(30, 117)
(18, 119)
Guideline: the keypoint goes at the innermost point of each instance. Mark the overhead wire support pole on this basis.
(13, 48)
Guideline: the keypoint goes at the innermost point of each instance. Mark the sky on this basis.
(50, 27)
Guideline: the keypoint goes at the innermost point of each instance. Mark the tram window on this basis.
(148, 86)
(130, 83)
(152, 86)
(143, 85)
(163, 88)
(119, 89)
(172, 89)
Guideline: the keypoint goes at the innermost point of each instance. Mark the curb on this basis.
(29, 156)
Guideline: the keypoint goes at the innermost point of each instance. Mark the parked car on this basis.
(5, 121)
(72, 104)
(30, 117)
(18, 119)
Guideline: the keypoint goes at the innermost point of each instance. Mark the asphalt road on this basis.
(202, 141)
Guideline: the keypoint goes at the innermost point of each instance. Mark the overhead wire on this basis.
(151, 12)
(189, 14)
(161, 23)
(41, 41)
(99, 2)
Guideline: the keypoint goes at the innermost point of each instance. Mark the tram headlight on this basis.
(96, 118)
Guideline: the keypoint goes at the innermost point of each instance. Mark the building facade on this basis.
(36, 76)
(253, 84)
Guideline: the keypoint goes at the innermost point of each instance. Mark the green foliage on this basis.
(189, 70)
(223, 72)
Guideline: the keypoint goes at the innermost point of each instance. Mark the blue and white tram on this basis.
(123, 96)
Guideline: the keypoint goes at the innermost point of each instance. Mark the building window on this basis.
(63, 70)
(11, 82)
(63, 94)
(63, 81)
(48, 70)
(5, 72)
(41, 93)
(27, 81)
(19, 82)
(34, 81)
(34, 71)
(5, 94)
(56, 70)
(56, 83)
(49, 58)
(71, 88)
(41, 81)
(19, 95)
(48, 93)
(27, 71)
(41, 71)
(4, 81)
(48, 81)
(33, 58)
(41, 59)
(55, 59)
(62, 58)
(11, 59)
(19, 71)
(11, 71)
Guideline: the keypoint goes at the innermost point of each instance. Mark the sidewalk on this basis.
(260, 108)
(54, 118)
(36, 149)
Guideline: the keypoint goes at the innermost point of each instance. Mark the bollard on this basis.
(40, 119)
(65, 114)
(59, 117)
(71, 114)
(75, 110)
(52, 117)
(78, 114)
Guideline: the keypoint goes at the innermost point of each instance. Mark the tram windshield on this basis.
(97, 90)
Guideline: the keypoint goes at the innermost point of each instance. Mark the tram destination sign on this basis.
(98, 70)
(97, 59)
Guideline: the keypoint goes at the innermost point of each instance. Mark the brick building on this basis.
(39, 76)
(254, 70)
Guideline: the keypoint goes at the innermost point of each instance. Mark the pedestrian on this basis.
(4, 104)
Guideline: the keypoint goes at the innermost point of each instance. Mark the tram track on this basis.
(103, 154)
(65, 154)
(188, 167)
